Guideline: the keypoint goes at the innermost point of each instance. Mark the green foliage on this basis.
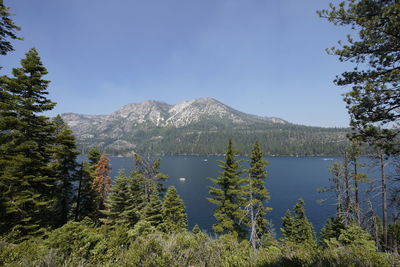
(174, 213)
(299, 254)
(143, 227)
(126, 200)
(74, 239)
(77, 244)
(374, 99)
(210, 138)
(355, 236)
(153, 212)
(85, 202)
(118, 199)
(7, 30)
(228, 196)
(64, 166)
(332, 229)
(27, 187)
(356, 245)
(296, 228)
(93, 157)
(257, 192)
(196, 229)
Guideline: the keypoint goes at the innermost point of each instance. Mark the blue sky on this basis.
(261, 57)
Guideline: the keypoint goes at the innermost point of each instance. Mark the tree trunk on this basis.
(384, 199)
(347, 188)
(357, 201)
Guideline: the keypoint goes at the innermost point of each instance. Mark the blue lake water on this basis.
(289, 178)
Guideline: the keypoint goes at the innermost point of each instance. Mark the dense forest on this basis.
(58, 211)
(120, 136)
(276, 140)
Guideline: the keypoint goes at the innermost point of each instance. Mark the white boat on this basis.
(182, 179)
(205, 159)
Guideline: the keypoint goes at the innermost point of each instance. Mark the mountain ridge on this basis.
(155, 127)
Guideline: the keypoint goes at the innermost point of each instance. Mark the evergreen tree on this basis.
(26, 184)
(86, 197)
(373, 101)
(336, 169)
(257, 195)
(118, 198)
(228, 196)
(7, 30)
(136, 201)
(196, 229)
(64, 165)
(93, 157)
(125, 201)
(102, 180)
(332, 229)
(174, 213)
(296, 228)
(288, 225)
(153, 212)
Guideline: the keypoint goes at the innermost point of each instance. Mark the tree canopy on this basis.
(374, 99)
(7, 30)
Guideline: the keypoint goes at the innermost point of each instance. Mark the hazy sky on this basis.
(262, 57)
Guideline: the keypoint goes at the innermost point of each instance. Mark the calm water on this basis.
(289, 178)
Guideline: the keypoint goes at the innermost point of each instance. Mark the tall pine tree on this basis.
(228, 195)
(153, 212)
(26, 184)
(65, 166)
(296, 228)
(85, 203)
(257, 195)
(126, 199)
(175, 218)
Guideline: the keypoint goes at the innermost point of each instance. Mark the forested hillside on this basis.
(199, 126)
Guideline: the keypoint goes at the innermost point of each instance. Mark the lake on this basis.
(289, 178)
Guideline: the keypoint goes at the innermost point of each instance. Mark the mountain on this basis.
(200, 126)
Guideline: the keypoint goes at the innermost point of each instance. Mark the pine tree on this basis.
(332, 229)
(86, 197)
(153, 212)
(196, 229)
(118, 199)
(257, 195)
(373, 102)
(7, 30)
(336, 169)
(102, 180)
(174, 213)
(93, 157)
(136, 202)
(228, 196)
(296, 228)
(64, 165)
(26, 185)
(126, 200)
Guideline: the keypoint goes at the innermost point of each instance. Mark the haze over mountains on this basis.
(200, 126)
